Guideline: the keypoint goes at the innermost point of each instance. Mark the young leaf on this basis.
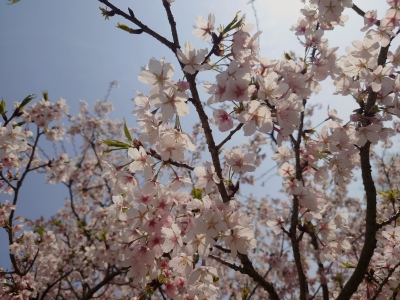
(127, 133)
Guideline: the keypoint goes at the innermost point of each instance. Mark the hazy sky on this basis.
(68, 49)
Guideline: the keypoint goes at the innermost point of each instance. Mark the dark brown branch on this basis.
(169, 161)
(257, 285)
(231, 133)
(384, 281)
(324, 286)
(212, 148)
(390, 220)
(105, 281)
(370, 191)
(172, 23)
(16, 194)
(135, 21)
(249, 270)
(295, 214)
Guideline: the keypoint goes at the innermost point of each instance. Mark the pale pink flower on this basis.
(173, 239)
(193, 62)
(141, 162)
(206, 178)
(223, 119)
(256, 116)
(171, 101)
(241, 240)
(157, 73)
(240, 161)
(287, 170)
(204, 28)
(370, 19)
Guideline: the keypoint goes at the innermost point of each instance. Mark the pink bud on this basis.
(354, 118)
(183, 85)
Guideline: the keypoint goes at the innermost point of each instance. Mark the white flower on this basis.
(223, 120)
(241, 240)
(204, 28)
(256, 115)
(171, 101)
(191, 60)
(173, 239)
(141, 162)
(206, 178)
(240, 161)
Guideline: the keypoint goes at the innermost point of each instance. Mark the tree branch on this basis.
(369, 187)
(145, 29)
(390, 220)
(384, 281)
(232, 132)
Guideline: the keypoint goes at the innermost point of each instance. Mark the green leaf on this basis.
(45, 95)
(117, 144)
(127, 133)
(245, 292)
(197, 193)
(236, 23)
(348, 265)
(28, 99)
(2, 107)
(19, 124)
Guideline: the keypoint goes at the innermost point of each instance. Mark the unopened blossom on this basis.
(256, 116)
(183, 85)
(240, 161)
(223, 120)
(193, 61)
(204, 27)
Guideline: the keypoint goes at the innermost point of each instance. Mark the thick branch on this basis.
(324, 285)
(249, 270)
(295, 215)
(212, 148)
(105, 281)
(370, 191)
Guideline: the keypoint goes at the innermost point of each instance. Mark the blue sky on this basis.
(68, 49)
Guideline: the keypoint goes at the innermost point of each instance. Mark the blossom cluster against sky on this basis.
(68, 49)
